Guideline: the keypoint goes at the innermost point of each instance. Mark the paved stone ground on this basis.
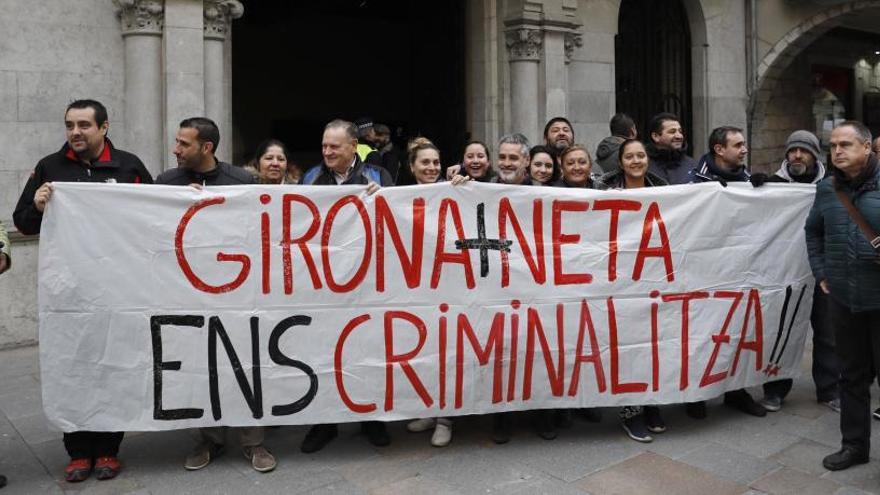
(728, 453)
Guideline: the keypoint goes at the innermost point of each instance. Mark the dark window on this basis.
(653, 62)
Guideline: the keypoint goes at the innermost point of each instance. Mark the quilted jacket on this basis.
(839, 251)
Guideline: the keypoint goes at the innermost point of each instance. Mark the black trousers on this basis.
(858, 346)
(826, 365)
(92, 444)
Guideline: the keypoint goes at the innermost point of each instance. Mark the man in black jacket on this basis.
(87, 156)
(195, 147)
(667, 150)
(723, 163)
(342, 166)
(803, 165)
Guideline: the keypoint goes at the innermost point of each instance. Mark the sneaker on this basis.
(834, 405)
(261, 459)
(106, 468)
(875, 414)
(202, 455)
(653, 420)
(545, 424)
(636, 429)
(2, 481)
(501, 428)
(772, 403)
(742, 401)
(318, 437)
(376, 433)
(78, 470)
(421, 424)
(696, 410)
(442, 435)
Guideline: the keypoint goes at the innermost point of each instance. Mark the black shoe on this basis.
(875, 414)
(636, 429)
(545, 424)
(501, 427)
(2, 481)
(742, 401)
(563, 418)
(376, 433)
(653, 419)
(696, 410)
(844, 458)
(317, 437)
(591, 414)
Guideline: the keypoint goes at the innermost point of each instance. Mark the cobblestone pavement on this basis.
(727, 453)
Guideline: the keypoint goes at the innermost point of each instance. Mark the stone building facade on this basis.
(749, 63)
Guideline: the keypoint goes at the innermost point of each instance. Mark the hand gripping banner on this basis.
(167, 307)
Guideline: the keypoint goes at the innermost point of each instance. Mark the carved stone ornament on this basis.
(141, 16)
(572, 41)
(219, 15)
(524, 43)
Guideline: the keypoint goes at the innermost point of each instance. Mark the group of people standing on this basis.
(847, 298)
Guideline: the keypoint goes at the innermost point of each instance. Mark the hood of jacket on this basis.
(785, 173)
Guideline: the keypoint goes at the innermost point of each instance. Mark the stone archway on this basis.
(769, 130)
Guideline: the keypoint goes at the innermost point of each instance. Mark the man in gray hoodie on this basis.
(622, 128)
(803, 164)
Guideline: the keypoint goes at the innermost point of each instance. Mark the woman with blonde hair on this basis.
(424, 163)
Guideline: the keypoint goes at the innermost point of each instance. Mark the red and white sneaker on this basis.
(78, 470)
(106, 468)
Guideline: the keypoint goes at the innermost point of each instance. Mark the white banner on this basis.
(166, 307)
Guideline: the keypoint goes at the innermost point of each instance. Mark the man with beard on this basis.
(725, 162)
(803, 165)
(513, 161)
(558, 135)
(666, 150)
(195, 147)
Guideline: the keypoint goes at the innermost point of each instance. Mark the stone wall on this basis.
(789, 109)
(51, 53)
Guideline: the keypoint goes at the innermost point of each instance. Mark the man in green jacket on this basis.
(845, 260)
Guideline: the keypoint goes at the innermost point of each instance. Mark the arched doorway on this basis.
(298, 64)
(823, 70)
(653, 61)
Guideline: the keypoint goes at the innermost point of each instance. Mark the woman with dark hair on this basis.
(475, 163)
(543, 167)
(270, 164)
(633, 169)
(638, 422)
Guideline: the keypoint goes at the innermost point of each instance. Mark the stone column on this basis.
(183, 68)
(142, 23)
(555, 74)
(524, 52)
(218, 19)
